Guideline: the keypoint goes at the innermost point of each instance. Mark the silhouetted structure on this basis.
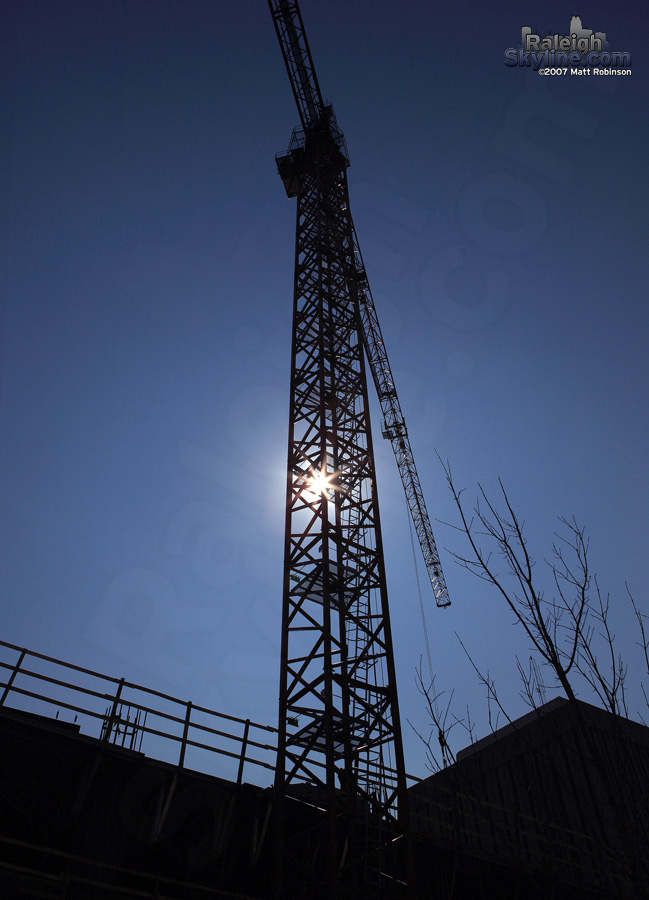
(339, 737)
(563, 790)
(86, 815)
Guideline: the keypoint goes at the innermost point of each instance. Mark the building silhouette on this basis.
(562, 791)
(113, 790)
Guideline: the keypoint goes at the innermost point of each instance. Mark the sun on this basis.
(317, 484)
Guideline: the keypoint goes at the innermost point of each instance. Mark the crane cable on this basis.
(421, 601)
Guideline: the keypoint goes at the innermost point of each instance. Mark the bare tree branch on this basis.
(570, 633)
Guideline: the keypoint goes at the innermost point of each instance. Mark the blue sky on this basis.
(146, 328)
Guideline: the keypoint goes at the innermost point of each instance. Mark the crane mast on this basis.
(340, 748)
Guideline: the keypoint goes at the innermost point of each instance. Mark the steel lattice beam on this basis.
(340, 736)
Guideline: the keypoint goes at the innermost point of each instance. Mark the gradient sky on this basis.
(145, 342)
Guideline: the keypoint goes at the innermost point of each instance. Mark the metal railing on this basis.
(140, 719)
(136, 718)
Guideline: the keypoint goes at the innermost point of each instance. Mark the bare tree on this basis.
(572, 646)
(569, 632)
(442, 722)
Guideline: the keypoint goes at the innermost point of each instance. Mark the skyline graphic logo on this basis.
(581, 52)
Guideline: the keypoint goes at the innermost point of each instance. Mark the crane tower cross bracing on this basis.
(340, 742)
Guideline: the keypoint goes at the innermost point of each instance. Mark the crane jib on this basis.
(298, 60)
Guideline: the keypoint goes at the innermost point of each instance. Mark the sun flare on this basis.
(317, 484)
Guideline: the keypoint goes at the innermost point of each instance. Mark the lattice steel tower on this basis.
(340, 743)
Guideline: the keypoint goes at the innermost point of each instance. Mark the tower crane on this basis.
(340, 748)
(312, 109)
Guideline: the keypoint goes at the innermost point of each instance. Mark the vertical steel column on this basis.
(340, 738)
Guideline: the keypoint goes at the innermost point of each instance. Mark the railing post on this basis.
(159, 824)
(13, 678)
(113, 712)
(183, 746)
(244, 746)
